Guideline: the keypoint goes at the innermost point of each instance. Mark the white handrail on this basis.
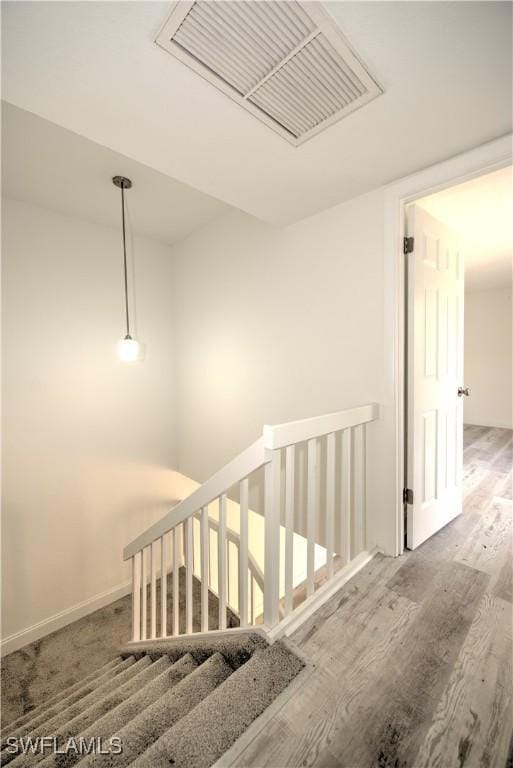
(281, 435)
(254, 457)
(246, 462)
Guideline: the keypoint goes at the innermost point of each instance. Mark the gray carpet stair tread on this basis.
(96, 695)
(119, 717)
(111, 676)
(89, 718)
(63, 694)
(203, 735)
(236, 647)
(150, 724)
(165, 676)
(50, 726)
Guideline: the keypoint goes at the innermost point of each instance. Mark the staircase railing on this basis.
(317, 465)
(255, 575)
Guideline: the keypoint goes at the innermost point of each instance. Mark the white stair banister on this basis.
(346, 496)
(359, 488)
(331, 512)
(153, 593)
(189, 564)
(290, 479)
(205, 554)
(247, 462)
(281, 435)
(272, 539)
(221, 561)
(330, 500)
(144, 608)
(312, 511)
(234, 537)
(176, 580)
(163, 587)
(243, 552)
(136, 596)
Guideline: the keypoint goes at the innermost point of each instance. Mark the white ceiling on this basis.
(50, 166)
(480, 213)
(93, 67)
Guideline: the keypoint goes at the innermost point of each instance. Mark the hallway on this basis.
(413, 658)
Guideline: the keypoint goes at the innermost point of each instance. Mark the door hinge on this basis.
(407, 496)
(408, 245)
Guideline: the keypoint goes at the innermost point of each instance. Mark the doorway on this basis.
(458, 342)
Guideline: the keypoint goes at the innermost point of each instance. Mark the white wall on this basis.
(88, 441)
(489, 358)
(278, 324)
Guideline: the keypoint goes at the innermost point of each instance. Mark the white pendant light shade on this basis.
(129, 350)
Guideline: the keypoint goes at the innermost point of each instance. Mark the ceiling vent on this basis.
(286, 62)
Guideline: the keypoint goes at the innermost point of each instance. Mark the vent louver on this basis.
(285, 61)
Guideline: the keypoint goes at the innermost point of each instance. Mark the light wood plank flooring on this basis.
(413, 658)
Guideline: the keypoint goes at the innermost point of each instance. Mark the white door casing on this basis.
(434, 373)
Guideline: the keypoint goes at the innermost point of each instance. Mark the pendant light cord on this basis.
(124, 259)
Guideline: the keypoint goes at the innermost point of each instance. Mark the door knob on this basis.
(463, 391)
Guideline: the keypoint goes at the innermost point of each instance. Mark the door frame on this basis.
(486, 158)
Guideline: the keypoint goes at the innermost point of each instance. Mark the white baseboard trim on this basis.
(58, 620)
(289, 625)
(492, 423)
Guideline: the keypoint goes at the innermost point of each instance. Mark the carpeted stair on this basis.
(181, 703)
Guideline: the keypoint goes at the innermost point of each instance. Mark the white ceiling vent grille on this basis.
(285, 61)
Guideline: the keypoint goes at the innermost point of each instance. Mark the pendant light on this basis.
(128, 348)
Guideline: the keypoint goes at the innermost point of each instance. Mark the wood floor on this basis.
(413, 658)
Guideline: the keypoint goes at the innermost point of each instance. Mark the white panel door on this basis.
(434, 374)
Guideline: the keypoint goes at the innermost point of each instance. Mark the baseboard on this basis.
(489, 423)
(58, 620)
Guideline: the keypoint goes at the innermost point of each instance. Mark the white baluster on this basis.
(346, 496)
(290, 460)
(189, 565)
(136, 596)
(205, 567)
(229, 596)
(212, 549)
(221, 561)
(252, 599)
(144, 610)
(176, 581)
(359, 488)
(163, 588)
(243, 553)
(312, 508)
(153, 603)
(272, 540)
(330, 501)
